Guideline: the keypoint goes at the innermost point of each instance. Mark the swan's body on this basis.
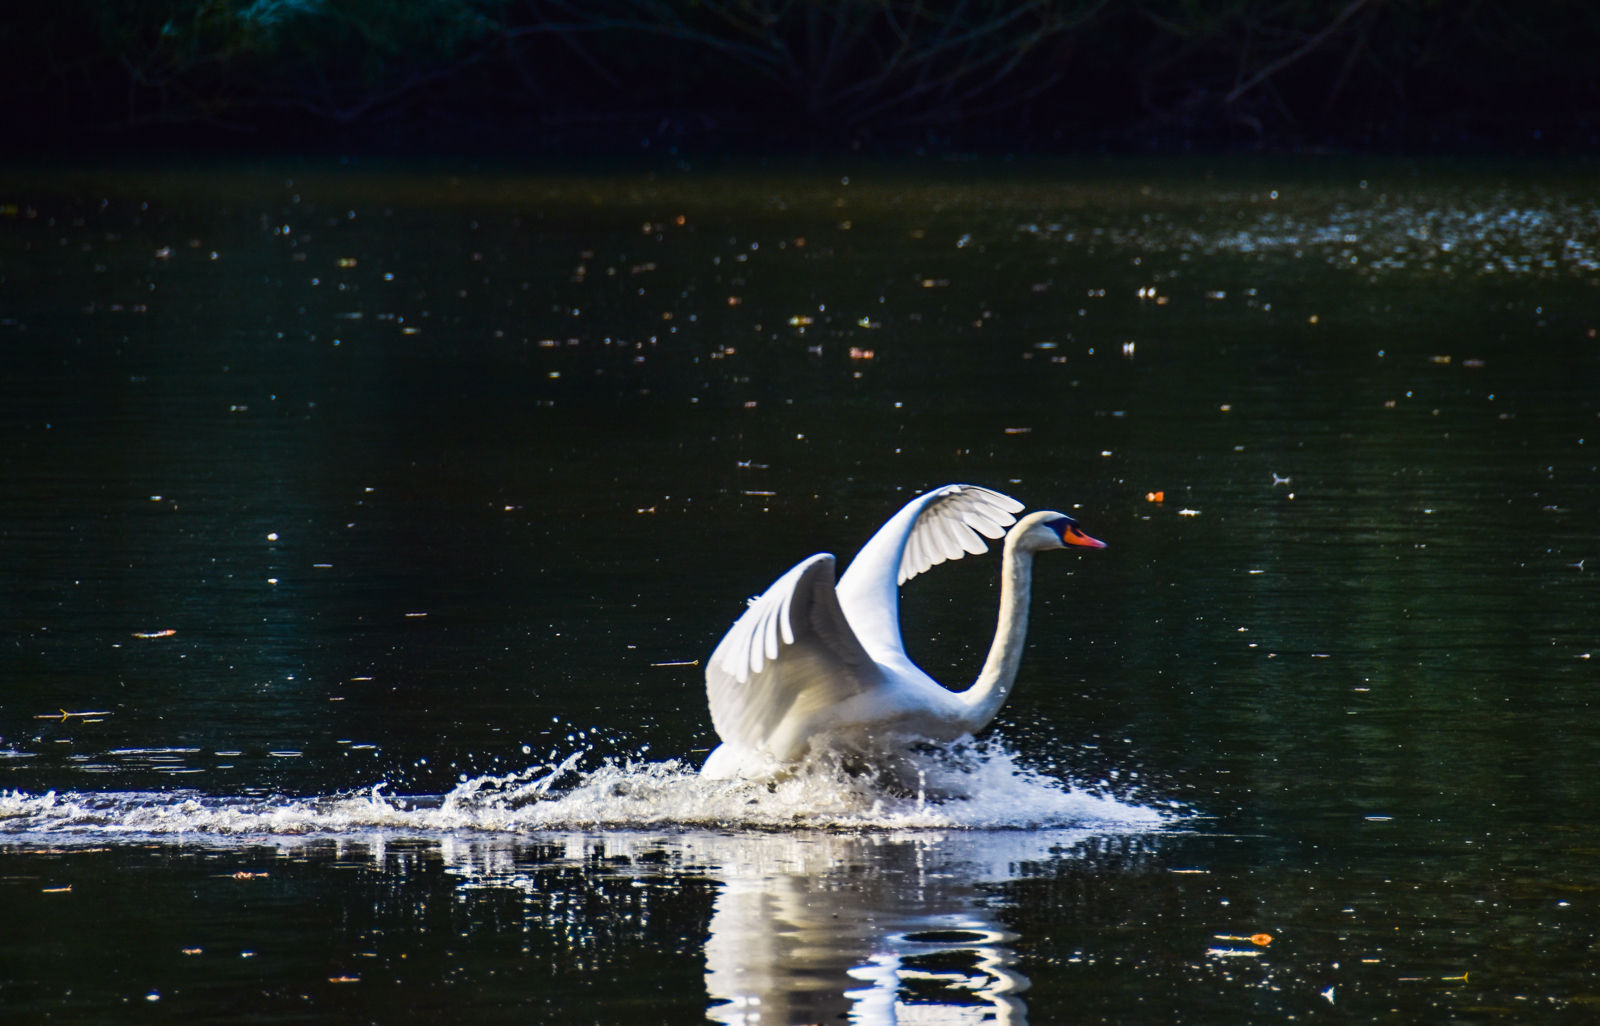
(809, 660)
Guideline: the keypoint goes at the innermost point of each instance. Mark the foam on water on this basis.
(963, 786)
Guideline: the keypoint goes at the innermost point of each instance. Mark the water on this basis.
(362, 528)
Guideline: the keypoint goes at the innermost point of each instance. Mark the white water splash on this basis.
(977, 788)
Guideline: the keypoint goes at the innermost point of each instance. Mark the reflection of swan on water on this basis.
(807, 927)
(809, 660)
(817, 928)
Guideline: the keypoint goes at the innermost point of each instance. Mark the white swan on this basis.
(811, 660)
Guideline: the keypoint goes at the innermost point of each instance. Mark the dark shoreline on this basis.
(609, 78)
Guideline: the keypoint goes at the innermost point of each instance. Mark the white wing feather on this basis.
(949, 526)
(791, 651)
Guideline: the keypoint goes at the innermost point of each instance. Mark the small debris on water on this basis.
(1260, 940)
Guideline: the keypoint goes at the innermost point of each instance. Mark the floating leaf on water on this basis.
(1155, 496)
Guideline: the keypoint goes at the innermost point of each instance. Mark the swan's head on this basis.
(1048, 529)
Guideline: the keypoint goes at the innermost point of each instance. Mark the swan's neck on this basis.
(1000, 670)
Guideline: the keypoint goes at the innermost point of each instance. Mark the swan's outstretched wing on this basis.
(792, 652)
(935, 526)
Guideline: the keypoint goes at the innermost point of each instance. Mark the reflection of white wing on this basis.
(935, 526)
(792, 651)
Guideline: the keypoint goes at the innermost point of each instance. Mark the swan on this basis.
(811, 661)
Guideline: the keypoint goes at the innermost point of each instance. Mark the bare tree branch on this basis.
(1294, 55)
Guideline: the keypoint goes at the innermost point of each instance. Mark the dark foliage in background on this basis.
(1028, 74)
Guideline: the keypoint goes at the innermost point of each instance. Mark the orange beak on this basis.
(1073, 536)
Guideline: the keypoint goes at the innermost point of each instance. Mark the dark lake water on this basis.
(362, 529)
